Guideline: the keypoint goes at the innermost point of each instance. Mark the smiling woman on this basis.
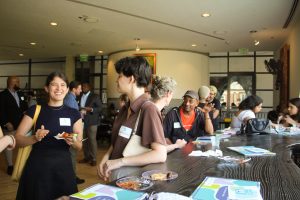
(56, 178)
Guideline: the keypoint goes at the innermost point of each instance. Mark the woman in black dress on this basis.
(48, 173)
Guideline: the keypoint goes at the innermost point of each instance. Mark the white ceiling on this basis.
(160, 24)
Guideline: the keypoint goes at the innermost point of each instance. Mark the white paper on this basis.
(216, 153)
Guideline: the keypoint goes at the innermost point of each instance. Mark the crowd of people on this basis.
(50, 171)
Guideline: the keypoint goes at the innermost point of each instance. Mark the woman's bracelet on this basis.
(13, 142)
(13, 139)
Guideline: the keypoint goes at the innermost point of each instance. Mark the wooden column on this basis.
(285, 76)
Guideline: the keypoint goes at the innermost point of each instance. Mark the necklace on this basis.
(56, 108)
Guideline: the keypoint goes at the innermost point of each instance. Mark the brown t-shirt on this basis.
(149, 126)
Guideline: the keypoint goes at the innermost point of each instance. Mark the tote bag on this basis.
(134, 146)
(24, 152)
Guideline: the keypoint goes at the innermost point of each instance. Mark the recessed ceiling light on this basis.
(20, 54)
(205, 15)
(53, 24)
(256, 42)
(100, 51)
(194, 45)
(33, 43)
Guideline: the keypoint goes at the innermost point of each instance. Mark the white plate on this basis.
(58, 136)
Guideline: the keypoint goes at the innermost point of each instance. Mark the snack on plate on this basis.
(159, 176)
(129, 185)
(68, 135)
(134, 183)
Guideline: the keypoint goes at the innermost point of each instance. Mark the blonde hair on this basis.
(161, 85)
(213, 89)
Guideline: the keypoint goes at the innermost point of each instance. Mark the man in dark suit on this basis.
(12, 107)
(90, 108)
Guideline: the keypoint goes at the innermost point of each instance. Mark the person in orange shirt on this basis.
(188, 121)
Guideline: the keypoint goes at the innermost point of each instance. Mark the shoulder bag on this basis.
(256, 126)
(24, 152)
(134, 146)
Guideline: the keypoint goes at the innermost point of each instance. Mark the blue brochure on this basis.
(213, 188)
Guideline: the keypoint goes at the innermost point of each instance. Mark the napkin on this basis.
(216, 153)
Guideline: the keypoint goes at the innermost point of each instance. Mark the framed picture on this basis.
(151, 58)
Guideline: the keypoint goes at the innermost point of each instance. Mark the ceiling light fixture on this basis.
(256, 42)
(33, 43)
(137, 48)
(194, 45)
(205, 15)
(100, 51)
(53, 24)
(20, 54)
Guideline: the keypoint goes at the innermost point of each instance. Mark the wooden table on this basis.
(279, 175)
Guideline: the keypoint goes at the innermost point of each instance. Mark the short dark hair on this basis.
(137, 67)
(51, 76)
(74, 84)
(273, 116)
(250, 102)
(124, 97)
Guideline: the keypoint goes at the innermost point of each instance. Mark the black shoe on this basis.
(10, 170)
(79, 180)
(93, 163)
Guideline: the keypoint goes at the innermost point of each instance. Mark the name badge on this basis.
(125, 132)
(65, 121)
(22, 98)
(177, 125)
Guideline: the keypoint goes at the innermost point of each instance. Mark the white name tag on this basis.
(125, 132)
(177, 125)
(65, 121)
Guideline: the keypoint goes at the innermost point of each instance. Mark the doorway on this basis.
(235, 87)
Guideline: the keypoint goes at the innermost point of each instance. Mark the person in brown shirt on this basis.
(134, 76)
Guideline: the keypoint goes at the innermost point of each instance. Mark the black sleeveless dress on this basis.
(48, 173)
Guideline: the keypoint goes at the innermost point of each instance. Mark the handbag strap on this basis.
(36, 114)
(138, 119)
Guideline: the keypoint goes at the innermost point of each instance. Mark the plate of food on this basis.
(64, 135)
(134, 183)
(160, 175)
